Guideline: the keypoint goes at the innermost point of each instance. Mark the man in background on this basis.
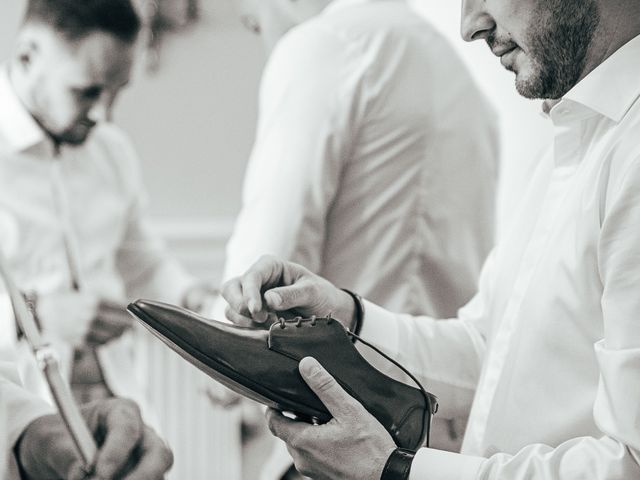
(71, 197)
(375, 158)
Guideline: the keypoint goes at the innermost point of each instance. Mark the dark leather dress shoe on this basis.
(263, 365)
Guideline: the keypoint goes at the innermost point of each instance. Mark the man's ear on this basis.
(26, 52)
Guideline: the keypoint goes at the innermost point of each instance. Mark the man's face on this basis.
(544, 42)
(74, 85)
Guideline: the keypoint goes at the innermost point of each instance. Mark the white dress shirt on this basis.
(17, 410)
(92, 195)
(375, 160)
(550, 345)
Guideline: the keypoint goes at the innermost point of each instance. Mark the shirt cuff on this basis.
(432, 464)
(380, 327)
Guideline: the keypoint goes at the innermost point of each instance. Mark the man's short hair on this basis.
(75, 19)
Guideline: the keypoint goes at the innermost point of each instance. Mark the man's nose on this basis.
(475, 23)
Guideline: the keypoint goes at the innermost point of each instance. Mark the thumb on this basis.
(298, 296)
(340, 404)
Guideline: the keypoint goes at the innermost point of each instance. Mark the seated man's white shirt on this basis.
(17, 410)
(550, 346)
(93, 194)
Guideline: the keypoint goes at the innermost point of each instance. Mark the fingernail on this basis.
(309, 366)
(260, 317)
(274, 299)
(252, 306)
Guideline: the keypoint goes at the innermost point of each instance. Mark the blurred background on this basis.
(191, 113)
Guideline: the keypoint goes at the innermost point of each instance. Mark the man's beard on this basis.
(73, 137)
(559, 47)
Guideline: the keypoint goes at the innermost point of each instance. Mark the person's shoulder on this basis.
(373, 19)
(308, 53)
(305, 40)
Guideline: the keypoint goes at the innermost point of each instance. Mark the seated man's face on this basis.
(74, 85)
(544, 42)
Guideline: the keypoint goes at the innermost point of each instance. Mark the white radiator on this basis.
(205, 439)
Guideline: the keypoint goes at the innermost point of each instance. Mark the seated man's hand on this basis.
(111, 320)
(127, 447)
(352, 445)
(273, 286)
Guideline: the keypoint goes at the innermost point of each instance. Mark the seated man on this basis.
(35, 441)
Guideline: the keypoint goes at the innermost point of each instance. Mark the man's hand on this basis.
(111, 320)
(127, 447)
(352, 445)
(273, 286)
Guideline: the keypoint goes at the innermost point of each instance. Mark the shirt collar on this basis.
(612, 87)
(17, 127)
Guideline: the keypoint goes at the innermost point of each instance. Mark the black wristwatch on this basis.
(398, 466)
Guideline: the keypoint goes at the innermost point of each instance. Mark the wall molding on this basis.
(197, 242)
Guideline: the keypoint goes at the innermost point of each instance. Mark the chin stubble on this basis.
(559, 48)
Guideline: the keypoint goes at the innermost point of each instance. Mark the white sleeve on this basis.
(616, 410)
(445, 355)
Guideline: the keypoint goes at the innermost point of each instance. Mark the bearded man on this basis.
(547, 354)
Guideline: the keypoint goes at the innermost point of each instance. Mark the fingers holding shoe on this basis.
(352, 445)
(273, 285)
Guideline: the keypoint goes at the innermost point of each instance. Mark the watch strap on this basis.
(359, 311)
(398, 465)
